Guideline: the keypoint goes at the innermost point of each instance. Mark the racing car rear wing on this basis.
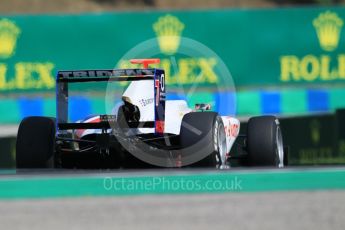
(105, 75)
(63, 78)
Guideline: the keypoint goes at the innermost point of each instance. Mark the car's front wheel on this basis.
(265, 142)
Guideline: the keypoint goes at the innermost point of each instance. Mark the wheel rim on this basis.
(280, 148)
(221, 140)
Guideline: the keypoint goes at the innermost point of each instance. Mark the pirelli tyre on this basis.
(265, 142)
(202, 139)
(35, 143)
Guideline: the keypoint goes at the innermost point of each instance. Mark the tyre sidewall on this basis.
(200, 150)
(262, 142)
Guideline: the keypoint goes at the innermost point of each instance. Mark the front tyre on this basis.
(265, 142)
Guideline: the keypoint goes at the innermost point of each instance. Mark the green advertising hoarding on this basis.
(272, 47)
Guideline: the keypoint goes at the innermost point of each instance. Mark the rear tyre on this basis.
(265, 142)
(202, 139)
(35, 143)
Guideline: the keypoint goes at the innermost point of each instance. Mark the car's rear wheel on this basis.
(203, 140)
(35, 143)
(265, 142)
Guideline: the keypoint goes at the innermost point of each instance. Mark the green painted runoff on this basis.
(16, 187)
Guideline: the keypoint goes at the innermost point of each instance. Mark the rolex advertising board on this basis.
(270, 47)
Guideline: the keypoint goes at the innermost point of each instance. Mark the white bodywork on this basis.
(141, 94)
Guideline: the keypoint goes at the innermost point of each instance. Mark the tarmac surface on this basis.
(272, 210)
(8, 130)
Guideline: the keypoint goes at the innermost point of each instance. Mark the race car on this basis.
(144, 130)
